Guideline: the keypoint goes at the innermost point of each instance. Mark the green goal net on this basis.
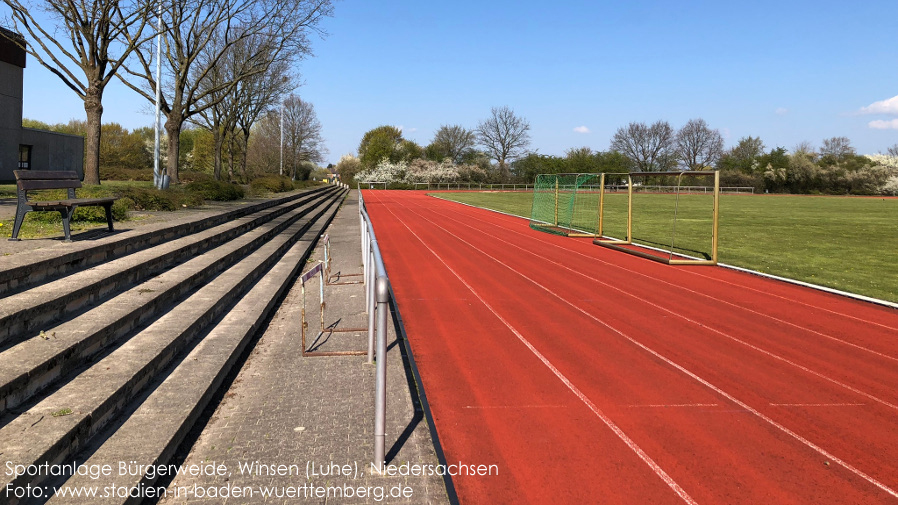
(566, 204)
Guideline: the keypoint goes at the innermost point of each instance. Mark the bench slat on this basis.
(45, 174)
(30, 185)
(81, 202)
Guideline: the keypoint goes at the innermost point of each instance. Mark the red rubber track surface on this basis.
(592, 376)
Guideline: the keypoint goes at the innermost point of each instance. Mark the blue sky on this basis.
(786, 71)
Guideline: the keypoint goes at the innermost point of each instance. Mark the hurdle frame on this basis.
(304, 324)
(328, 277)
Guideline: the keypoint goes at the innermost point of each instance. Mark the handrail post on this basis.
(380, 387)
(370, 291)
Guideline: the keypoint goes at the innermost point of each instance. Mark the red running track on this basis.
(592, 376)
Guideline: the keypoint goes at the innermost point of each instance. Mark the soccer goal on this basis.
(677, 225)
(371, 184)
(566, 204)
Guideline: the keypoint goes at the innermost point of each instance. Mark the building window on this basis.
(25, 157)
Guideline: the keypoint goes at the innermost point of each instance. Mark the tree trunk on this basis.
(243, 155)
(503, 170)
(173, 129)
(231, 157)
(93, 106)
(218, 141)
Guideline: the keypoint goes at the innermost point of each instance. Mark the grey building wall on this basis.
(55, 151)
(50, 151)
(10, 118)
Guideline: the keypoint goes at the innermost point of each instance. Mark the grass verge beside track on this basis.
(840, 242)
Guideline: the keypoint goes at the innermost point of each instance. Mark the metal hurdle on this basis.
(306, 277)
(328, 276)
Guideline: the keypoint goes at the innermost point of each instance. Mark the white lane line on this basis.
(675, 405)
(583, 398)
(818, 404)
(516, 406)
(719, 300)
(681, 316)
(679, 367)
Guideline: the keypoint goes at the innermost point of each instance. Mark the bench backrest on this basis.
(27, 180)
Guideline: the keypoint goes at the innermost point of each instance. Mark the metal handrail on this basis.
(377, 299)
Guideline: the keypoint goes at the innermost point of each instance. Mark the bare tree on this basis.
(837, 147)
(648, 147)
(453, 142)
(504, 135)
(256, 95)
(213, 27)
(302, 134)
(697, 145)
(237, 108)
(893, 150)
(84, 44)
(805, 146)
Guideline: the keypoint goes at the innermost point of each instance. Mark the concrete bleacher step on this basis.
(42, 266)
(31, 310)
(60, 424)
(35, 363)
(151, 435)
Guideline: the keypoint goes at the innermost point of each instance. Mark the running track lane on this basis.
(591, 376)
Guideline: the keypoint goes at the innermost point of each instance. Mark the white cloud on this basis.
(581, 129)
(782, 111)
(889, 106)
(881, 124)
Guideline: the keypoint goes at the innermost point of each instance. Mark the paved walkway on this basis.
(314, 413)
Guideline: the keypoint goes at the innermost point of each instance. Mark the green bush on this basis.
(125, 174)
(271, 184)
(98, 214)
(218, 191)
(305, 184)
(156, 199)
(188, 176)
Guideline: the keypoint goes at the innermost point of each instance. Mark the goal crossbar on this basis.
(680, 259)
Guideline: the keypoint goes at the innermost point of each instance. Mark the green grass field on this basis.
(839, 242)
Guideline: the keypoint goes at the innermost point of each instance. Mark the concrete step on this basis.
(30, 311)
(152, 434)
(23, 271)
(54, 429)
(34, 364)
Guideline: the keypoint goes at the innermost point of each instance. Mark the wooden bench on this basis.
(32, 180)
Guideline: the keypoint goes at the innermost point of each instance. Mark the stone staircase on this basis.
(111, 352)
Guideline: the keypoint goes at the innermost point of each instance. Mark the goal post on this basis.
(566, 204)
(669, 253)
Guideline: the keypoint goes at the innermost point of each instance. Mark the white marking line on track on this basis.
(675, 405)
(719, 300)
(699, 274)
(681, 316)
(670, 362)
(818, 404)
(605, 419)
(516, 406)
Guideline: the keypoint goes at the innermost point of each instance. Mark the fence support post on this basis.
(380, 388)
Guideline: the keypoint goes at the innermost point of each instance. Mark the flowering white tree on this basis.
(419, 170)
